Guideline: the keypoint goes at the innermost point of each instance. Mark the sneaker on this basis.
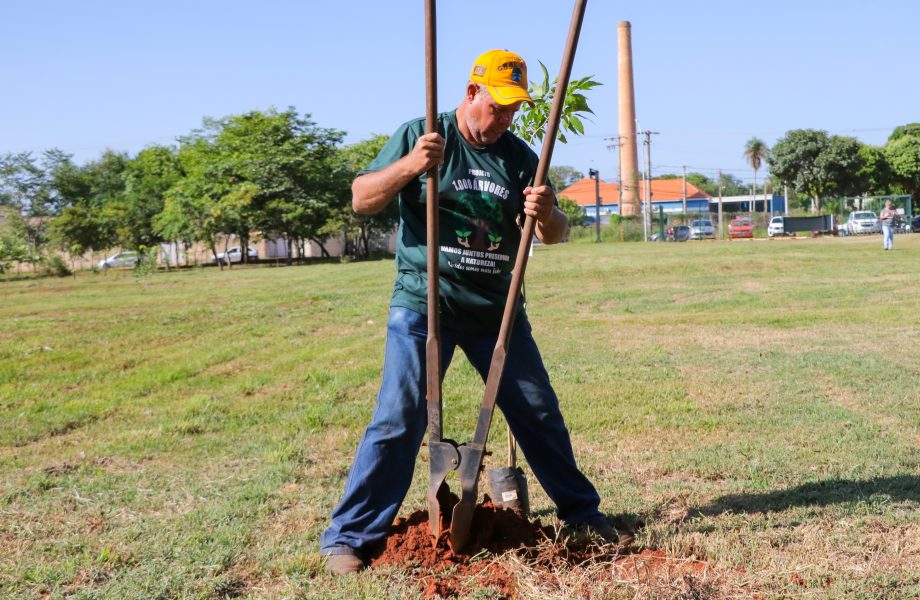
(343, 564)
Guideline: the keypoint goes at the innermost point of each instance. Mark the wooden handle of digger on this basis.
(546, 155)
(497, 366)
(433, 341)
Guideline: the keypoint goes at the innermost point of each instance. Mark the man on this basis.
(485, 181)
(888, 216)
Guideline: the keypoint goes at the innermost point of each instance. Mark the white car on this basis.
(702, 228)
(863, 221)
(125, 258)
(235, 255)
(776, 227)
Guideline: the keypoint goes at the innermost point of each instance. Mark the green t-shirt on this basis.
(480, 198)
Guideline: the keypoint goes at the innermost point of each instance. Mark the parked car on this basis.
(678, 233)
(915, 224)
(235, 255)
(125, 258)
(741, 227)
(776, 227)
(702, 228)
(863, 221)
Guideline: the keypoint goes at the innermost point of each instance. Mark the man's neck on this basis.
(464, 129)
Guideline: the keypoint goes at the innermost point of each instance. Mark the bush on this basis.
(626, 229)
(56, 267)
(147, 262)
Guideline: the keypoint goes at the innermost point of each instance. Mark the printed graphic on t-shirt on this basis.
(478, 225)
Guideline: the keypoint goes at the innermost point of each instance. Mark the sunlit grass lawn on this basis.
(186, 434)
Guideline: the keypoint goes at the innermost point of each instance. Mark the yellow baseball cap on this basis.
(504, 74)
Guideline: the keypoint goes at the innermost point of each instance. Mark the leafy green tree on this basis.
(816, 164)
(206, 203)
(20, 180)
(573, 211)
(14, 245)
(875, 176)
(530, 122)
(79, 230)
(563, 176)
(902, 151)
(147, 179)
(306, 158)
(359, 229)
(92, 201)
(67, 184)
(265, 171)
(731, 185)
(844, 161)
(704, 183)
(909, 130)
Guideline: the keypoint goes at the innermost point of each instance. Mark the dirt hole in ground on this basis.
(506, 548)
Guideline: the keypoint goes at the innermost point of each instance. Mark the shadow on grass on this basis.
(627, 522)
(819, 493)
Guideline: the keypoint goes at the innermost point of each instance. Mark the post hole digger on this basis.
(446, 455)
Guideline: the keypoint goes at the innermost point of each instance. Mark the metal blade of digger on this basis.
(442, 457)
(471, 454)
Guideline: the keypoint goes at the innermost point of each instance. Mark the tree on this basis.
(875, 176)
(14, 246)
(573, 211)
(902, 151)
(816, 164)
(147, 179)
(563, 176)
(91, 198)
(755, 151)
(358, 229)
(843, 160)
(530, 122)
(731, 185)
(20, 180)
(909, 130)
(204, 204)
(67, 184)
(264, 171)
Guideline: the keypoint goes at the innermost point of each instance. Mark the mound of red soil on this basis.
(444, 573)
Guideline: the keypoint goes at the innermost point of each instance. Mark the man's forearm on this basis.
(553, 229)
(372, 192)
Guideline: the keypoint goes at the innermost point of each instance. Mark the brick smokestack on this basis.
(629, 159)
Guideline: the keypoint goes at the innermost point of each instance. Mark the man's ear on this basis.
(472, 90)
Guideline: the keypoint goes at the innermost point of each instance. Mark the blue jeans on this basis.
(382, 469)
(888, 236)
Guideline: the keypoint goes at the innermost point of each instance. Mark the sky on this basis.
(709, 75)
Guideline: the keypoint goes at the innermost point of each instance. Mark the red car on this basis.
(741, 227)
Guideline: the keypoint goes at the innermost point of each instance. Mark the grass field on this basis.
(186, 435)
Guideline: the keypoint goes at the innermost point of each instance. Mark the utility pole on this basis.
(720, 204)
(617, 143)
(647, 220)
(765, 200)
(685, 190)
(596, 176)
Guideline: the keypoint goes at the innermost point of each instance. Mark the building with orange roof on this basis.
(667, 196)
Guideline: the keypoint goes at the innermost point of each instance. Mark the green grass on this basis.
(186, 434)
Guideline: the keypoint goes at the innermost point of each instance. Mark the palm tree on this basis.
(755, 151)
